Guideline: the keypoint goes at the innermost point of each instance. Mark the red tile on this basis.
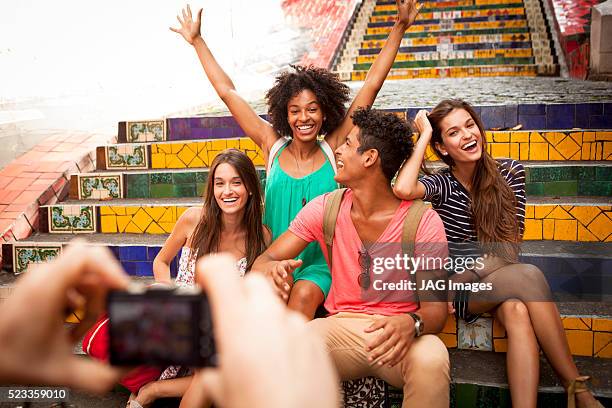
(48, 166)
(30, 157)
(27, 197)
(19, 184)
(8, 215)
(4, 224)
(59, 185)
(22, 228)
(37, 187)
(52, 175)
(4, 180)
(14, 169)
(8, 196)
(17, 207)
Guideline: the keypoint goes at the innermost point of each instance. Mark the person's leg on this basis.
(305, 297)
(174, 387)
(193, 397)
(424, 373)
(528, 284)
(522, 358)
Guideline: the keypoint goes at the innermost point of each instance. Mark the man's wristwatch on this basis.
(419, 326)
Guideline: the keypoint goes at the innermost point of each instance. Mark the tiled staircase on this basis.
(460, 38)
(143, 183)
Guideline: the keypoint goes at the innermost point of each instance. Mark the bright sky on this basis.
(124, 48)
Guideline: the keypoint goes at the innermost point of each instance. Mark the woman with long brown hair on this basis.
(482, 204)
(230, 220)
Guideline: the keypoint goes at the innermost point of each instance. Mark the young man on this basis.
(374, 328)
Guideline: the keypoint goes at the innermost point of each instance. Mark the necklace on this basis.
(301, 174)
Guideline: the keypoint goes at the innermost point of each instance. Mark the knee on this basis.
(514, 316)
(306, 295)
(532, 275)
(433, 361)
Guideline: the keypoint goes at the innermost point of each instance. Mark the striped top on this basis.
(452, 202)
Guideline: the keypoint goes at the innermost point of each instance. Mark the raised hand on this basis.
(189, 29)
(282, 276)
(407, 10)
(422, 123)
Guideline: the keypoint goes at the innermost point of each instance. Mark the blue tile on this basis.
(115, 251)
(560, 116)
(607, 109)
(223, 133)
(511, 116)
(411, 112)
(532, 122)
(133, 253)
(152, 253)
(143, 268)
(539, 109)
(582, 116)
(595, 108)
(130, 268)
(492, 116)
(600, 122)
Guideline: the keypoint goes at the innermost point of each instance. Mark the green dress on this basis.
(285, 196)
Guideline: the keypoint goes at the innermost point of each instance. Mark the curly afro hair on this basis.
(330, 92)
(387, 133)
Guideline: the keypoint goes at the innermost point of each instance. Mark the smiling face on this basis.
(348, 159)
(230, 192)
(461, 137)
(304, 115)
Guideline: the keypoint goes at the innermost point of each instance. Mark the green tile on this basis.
(586, 173)
(137, 185)
(183, 178)
(554, 173)
(162, 190)
(184, 190)
(604, 174)
(595, 188)
(528, 171)
(201, 176)
(200, 189)
(536, 189)
(561, 188)
(161, 178)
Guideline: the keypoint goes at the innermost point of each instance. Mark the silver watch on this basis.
(419, 326)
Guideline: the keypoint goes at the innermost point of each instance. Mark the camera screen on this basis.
(160, 329)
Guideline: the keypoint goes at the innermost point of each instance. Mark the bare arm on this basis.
(407, 11)
(407, 186)
(255, 127)
(433, 303)
(174, 243)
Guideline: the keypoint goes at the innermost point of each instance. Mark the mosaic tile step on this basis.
(391, 7)
(480, 46)
(172, 155)
(450, 21)
(426, 16)
(450, 25)
(451, 54)
(453, 59)
(454, 72)
(451, 32)
(429, 7)
(446, 41)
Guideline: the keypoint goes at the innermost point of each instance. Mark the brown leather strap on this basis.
(411, 224)
(330, 215)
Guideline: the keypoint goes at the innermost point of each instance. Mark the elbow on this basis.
(402, 192)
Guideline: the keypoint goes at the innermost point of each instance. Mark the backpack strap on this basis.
(330, 215)
(280, 142)
(329, 153)
(411, 224)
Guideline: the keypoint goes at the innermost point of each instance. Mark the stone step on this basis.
(452, 72)
(446, 41)
(450, 47)
(441, 32)
(452, 26)
(582, 219)
(382, 7)
(567, 179)
(458, 17)
(450, 8)
(479, 12)
(461, 59)
(538, 116)
(437, 55)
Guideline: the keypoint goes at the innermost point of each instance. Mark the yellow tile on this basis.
(548, 229)
(131, 210)
(584, 235)
(603, 136)
(538, 151)
(535, 137)
(522, 137)
(568, 147)
(449, 340)
(169, 214)
(106, 210)
(566, 230)
(576, 323)
(122, 222)
(580, 342)
(554, 155)
(154, 228)
(172, 162)
(451, 325)
(164, 147)
(559, 214)
(197, 162)
(607, 151)
(576, 156)
(167, 226)
(219, 144)
(142, 219)
(586, 151)
(602, 345)
(75, 317)
(502, 137)
(601, 227)
(514, 151)
(524, 151)
(500, 150)
(154, 148)
(604, 325)
(176, 147)
(593, 151)
(533, 229)
(598, 151)
(585, 214)
(180, 211)
(156, 212)
(529, 211)
(132, 228)
(588, 136)
(577, 137)
(186, 155)
(541, 211)
(158, 161)
(554, 137)
(108, 224)
(500, 345)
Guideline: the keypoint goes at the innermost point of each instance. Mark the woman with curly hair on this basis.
(303, 105)
(482, 204)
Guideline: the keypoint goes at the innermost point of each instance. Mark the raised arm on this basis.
(254, 127)
(407, 11)
(407, 185)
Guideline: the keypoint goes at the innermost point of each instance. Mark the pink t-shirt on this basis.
(346, 294)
